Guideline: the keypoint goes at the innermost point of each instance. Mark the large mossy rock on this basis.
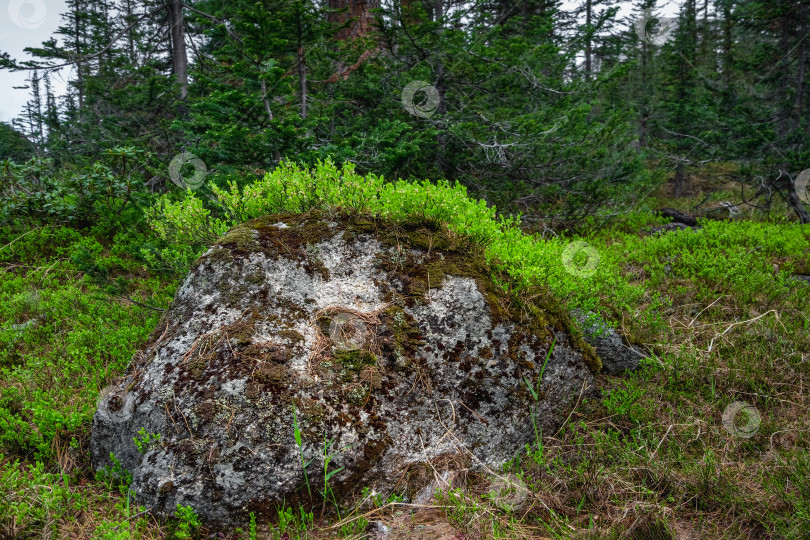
(390, 343)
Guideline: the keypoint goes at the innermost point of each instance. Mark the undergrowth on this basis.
(721, 311)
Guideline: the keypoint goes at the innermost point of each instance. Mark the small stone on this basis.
(617, 356)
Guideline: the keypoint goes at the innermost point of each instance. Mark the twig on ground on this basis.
(704, 309)
(732, 325)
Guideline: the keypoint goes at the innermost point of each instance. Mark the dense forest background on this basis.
(559, 114)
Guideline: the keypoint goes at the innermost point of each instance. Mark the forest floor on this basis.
(723, 312)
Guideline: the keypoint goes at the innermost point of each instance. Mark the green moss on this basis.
(256, 278)
(297, 241)
(292, 335)
(402, 337)
(196, 369)
(242, 238)
(219, 254)
(271, 373)
(357, 395)
(355, 359)
(241, 332)
(310, 411)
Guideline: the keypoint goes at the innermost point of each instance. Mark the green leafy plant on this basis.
(327, 474)
(144, 441)
(252, 532)
(627, 402)
(294, 526)
(187, 522)
(538, 432)
(115, 474)
(300, 444)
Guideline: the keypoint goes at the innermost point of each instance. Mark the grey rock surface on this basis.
(389, 344)
(801, 278)
(617, 356)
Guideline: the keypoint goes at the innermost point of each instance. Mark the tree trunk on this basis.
(802, 59)
(441, 88)
(679, 180)
(179, 56)
(589, 40)
(354, 16)
(129, 17)
(728, 59)
(645, 110)
(302, 80)
(79, 67)
(524, 13)
(784, 46)
(407, 10)
(643, 130)
(266, 103)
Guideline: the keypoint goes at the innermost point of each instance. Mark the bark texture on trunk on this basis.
(354, 16)
(302, 81)
(179, 55)
(441, 87)
(680, 179)
(802, 59)
(588, 42)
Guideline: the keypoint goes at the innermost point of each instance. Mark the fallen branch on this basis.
(732, 325)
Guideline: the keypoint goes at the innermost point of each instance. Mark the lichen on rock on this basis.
(389, 340)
